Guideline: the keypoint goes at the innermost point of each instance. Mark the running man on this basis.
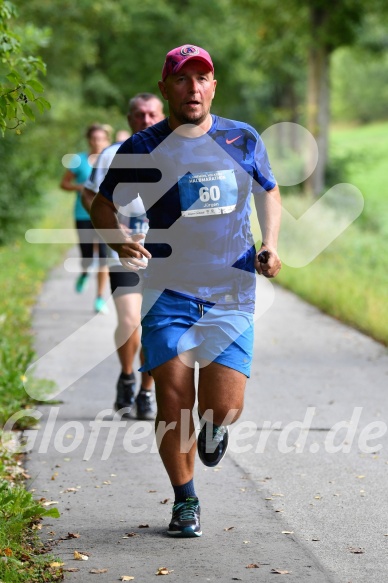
(195, 180)
(144, 110)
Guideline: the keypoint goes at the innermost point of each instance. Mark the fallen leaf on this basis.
(280, 495)
(356, 550)
(107, 482)
(246, 542)
(8, 552)
(151, 491)
(56, 564)
(73, 535)
(98, 571)
(360, 477)
(229, 528)
(287, 532)
(144, 525)
(315, 539)
(80, 557)
(130, 534)
(126, 578)
(53, 477)
(163, 571)
(71, 569)
(280, 572)
(71, 490)
(253, 566)
(50, 502)
(164, 501)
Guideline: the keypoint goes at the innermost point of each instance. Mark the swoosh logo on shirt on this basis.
(231, 141)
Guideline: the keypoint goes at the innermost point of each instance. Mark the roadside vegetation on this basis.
(349, 280)
(24, 267)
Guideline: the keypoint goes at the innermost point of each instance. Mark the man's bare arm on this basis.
(104, 218)
(269, 213)
(87, 198)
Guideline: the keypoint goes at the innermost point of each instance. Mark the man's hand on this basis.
(267, 262)
(131, 253)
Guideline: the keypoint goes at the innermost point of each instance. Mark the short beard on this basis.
(188, 120)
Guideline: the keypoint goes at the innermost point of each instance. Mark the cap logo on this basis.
(189, 50)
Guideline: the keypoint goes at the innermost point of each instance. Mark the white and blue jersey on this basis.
(196, 192)
(133, 215)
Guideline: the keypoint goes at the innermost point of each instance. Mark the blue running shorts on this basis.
(173, 324)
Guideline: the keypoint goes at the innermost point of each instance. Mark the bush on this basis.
(22, 173)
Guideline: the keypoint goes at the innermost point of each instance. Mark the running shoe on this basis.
(212, 443)
(185, 521)
(125, 398)
(145, 405)
(82, 283)
(100, 306)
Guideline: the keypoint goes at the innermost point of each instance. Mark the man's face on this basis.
(145, 114)
(189, 93)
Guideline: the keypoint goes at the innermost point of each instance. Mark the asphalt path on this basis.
(300, 496)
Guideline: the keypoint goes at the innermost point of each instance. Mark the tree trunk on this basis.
(318, 101)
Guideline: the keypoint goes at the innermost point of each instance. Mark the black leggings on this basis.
(87, 237)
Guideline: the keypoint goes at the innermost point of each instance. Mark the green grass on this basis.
(24, 268)
(22, 557)
(349, 280)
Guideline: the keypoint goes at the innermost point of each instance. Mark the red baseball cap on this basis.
(176, 58)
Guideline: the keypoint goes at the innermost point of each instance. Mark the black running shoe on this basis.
(125, 398)
(145, 405)
(185, 521)
(212, 443)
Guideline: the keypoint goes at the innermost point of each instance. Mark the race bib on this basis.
(139, 224)
(208, 193)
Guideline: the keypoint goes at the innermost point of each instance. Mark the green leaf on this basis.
(11, 111)
(53, 513)
(29, 94)
(39, 105)
(44, 102)
(35, 85)
(14, 77)
(3, 105)
(28, 111)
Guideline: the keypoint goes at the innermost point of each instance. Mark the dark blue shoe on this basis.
(212, 443)
(185, 521)
(125, 397)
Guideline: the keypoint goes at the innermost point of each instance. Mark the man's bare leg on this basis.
(127, 335)
(221, 390)
(175, 392)
(221, 398)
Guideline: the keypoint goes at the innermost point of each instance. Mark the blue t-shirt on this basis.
(196, 192)
(81, 169)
